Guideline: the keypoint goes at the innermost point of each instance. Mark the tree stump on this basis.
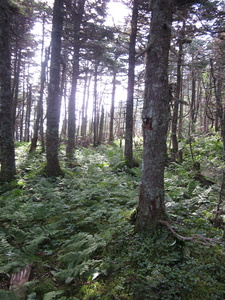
(18, 281)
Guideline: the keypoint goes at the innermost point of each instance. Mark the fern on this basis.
(77, 259)
(53, 295)
(6, 295)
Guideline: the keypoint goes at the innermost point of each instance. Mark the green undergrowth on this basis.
(77, 235)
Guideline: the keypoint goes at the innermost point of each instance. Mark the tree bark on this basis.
(101, 126)
(95, 106)
(177, 104)
(77, 15)
(156, 116)
(130, 89)
(53, 103)
(39, 118)
(85, 105)
(112, 109)
(7, 151)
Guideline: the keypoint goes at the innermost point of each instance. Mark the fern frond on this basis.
(53, 295)
(32, 246)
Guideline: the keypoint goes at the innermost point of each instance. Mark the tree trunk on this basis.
(177, 97)
(194, 102)
(85, 105)
(6, 129)
(151, 206)
(112, 109)
(53, 103)
(15, 88)
(38, 126)
(130, 89)
(95, 112)
(39, 117)
(28, 114)
(77, 15)
(220, 109)
(101, 127)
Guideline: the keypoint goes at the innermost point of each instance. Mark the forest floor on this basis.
(74, 235)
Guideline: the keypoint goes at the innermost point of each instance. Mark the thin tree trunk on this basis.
(39, 117)
(84, 107)
(220, 110)
(128, 153)
(77, 13)
(53, 104)
(28, 115)
(112, 109)
(38, 126)
(101, 127)
(177, 98)
(15, 89)
(95, 112)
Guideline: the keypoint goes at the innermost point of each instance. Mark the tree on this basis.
(155, 118)
(130, 89)
(177, 93)
(38, 124)
(6, 130)
(156, 115)
(77, 9)
(53, 102)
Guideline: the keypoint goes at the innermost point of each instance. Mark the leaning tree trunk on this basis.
(53, 103)
(155, 116)
(128, 153)
(7, 152)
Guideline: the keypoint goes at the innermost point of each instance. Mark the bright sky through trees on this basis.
(117, 12)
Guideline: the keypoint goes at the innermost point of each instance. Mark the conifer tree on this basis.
(6, 131)
(53, 102)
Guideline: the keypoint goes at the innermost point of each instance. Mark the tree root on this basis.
(195, 238)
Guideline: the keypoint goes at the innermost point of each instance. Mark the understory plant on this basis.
(76, 232)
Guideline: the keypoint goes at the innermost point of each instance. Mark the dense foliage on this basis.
(77, 233)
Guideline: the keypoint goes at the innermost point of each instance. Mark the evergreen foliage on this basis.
(77, 234)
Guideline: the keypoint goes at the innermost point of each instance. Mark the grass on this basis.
(76, 231)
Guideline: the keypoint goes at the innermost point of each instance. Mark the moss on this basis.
(111, 289)
(204, 291)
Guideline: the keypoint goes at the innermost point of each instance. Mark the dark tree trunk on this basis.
(95, 112)
(130, 89)
(15, 88)
(77, 13)
(101, 127)
(28, 114)
(85, 105)
(177, 93)
(112, 109)
(38, 126)
(53, 103)
(39, 118)
(193, 101)
(151, 206)
(6, 129)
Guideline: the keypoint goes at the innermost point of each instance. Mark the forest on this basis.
(112, 149)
